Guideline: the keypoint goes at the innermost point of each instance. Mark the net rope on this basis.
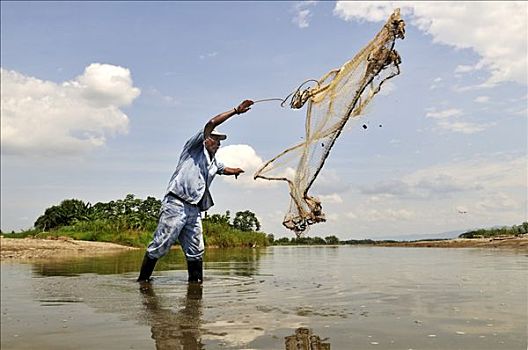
(340, 95)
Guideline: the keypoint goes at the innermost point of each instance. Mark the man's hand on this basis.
(243, 107)
(233, 171)
(237, 172)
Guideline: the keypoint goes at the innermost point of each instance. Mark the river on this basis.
(342, 297)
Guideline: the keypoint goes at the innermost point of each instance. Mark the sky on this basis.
(98, 98)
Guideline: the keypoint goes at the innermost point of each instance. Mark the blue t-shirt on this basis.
(195, 172)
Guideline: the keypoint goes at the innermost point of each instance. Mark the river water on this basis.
(342, 297)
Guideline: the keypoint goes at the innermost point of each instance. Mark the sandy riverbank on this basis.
(30, 248)
(496, 242)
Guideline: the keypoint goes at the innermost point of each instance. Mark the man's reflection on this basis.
(303, 339)
(175, 329)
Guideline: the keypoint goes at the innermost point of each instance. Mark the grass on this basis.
(215, 234)
(224, 236)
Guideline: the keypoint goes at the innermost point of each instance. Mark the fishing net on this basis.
(338, 96)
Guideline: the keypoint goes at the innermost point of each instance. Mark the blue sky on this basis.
(99, 97)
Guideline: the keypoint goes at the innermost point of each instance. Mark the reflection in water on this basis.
(175, 329)
(303, 339)
(395, 298)
(235, 261)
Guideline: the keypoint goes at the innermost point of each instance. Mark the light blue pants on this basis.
(179, 221)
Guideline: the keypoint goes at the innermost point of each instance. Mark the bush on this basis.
(515, 230)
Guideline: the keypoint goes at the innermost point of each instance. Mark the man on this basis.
(187, 195)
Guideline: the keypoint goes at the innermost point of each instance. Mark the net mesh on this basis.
(338, 96)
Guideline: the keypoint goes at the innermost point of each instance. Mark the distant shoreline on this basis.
(520, 242)
(35, 249)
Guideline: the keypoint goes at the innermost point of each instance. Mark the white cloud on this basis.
(328, 182)
(244, 157)
(444, 121)
(522, 112)
(482, 99)
(388, 88)
(302, 13)
(447, 113)
(330, 198)
(46, 118)
(209, 55)
(332, 217)
(389, 187)
(301, 19)
(481, 191)
(166, 99)
(494, 30)
(464, 69)
(475, 175)
(498, 201)
(436, 83)
(378, 214)
(351, 215)
(463, 127)
(105, 85)
(373, 11)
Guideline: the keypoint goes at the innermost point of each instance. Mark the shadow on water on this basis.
(304, 339)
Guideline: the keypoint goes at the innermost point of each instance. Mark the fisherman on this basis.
(187, 195)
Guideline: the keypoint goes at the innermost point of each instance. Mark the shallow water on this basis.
(347, 297)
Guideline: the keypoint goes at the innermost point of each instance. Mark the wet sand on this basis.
(63, 247)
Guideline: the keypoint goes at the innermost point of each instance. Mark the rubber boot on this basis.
(146, 268)
(195, 270)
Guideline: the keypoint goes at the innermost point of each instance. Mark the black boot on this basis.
(195, 270)
(146, 268)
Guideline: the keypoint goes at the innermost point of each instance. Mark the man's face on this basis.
(212, 143)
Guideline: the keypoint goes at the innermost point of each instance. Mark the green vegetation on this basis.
(131, 221)
(129, 213)
(223, 236)
(305, 240)
(328, 240)
(515, 230)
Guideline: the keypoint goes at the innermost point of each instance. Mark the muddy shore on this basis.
(30, 248)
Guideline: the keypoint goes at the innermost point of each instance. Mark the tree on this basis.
(332, 240)
(67, 212)
(220, 219)
(318, 241)
(283, 240)
(246, 221)
(127, 213)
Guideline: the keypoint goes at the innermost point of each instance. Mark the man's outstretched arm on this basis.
(222, 117)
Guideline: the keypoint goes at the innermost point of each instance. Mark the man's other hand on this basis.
(233, 171)
(244, 106)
